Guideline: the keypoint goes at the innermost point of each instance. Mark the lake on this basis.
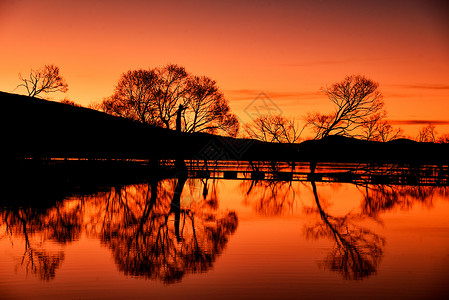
(230, 234)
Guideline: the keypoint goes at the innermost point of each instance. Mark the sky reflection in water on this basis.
(240, 237)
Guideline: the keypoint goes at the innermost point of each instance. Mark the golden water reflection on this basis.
(358, 249)
(165, 229)
(149, 231)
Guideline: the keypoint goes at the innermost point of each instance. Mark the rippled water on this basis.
(226, 239)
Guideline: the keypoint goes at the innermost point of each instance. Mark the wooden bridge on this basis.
(393, 174)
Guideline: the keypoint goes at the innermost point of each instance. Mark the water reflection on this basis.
(148, 228)
(42, 263)
(269, 197)
(163, 229)
(151, 234)
(358, 248)
(383, 198)
(357, 251)
(59, 224)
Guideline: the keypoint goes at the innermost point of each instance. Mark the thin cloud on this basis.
(329, 62)
(419, 122)
(422, 86)
(405, 94)
(318, 63)
(248, 94)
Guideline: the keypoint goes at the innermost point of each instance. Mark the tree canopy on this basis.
(153, 96)
(356, 99)
(274, 128)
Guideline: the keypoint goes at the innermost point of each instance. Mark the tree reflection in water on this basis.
(382, 198)
(269, 197)
(153, 235)
(60, 224)
(149, 229)
(159, 231)
(357, 251)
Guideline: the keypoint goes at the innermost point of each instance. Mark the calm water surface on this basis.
(221, 239)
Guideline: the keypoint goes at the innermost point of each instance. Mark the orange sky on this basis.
(285, 49)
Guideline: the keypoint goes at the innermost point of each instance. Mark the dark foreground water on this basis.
(229, 239)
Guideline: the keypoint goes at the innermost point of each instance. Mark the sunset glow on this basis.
(288, 50)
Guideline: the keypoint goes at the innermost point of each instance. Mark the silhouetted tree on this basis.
(134, 97)
(430, 134)
(171, 92)
(356, 98)
(44, 80)
(70, 102)
(378, 129)
(95, 105)
(153, 97)
(427, 134)
(274, 128)
(206, 108)
(443, 138)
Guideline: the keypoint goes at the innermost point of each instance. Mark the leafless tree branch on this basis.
(44, 80)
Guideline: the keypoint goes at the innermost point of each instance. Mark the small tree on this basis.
(44, 80)
(274, 128)
(70, 102)
(376, 128)
(387, 132)
(443, 139)
(427, 134)
(356, 98)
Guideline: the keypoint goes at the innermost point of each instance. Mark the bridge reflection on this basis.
(426, 175)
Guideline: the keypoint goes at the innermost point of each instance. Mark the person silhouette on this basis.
(178, 117)
(180, 163)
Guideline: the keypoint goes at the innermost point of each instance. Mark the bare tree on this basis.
(274, 128)
(388, 133)
(70, 102)
(443, 139)
(356, 98)
(427, 134)
(207, 109)
(378, 129)
(95, 105)
(44, 80)
(134, 97)
(153, 97)
(171, 91)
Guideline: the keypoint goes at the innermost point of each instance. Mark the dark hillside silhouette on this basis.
(344, 149)
(36, 128)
